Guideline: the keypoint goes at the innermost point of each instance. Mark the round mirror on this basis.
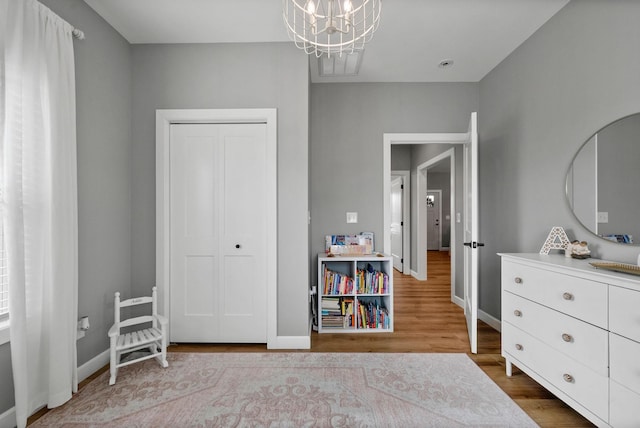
(603, 182)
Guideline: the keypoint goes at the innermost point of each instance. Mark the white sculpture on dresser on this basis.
(577, 250)
(557, 240)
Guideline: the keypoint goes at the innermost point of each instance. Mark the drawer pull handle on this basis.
(518, 280)
(568, 378)
(519, 347)
(567, 337)
(517, 313)
(567, 296)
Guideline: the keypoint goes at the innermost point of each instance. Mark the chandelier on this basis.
(331, 26)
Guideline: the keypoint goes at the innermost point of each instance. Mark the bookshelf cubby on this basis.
(355, 294)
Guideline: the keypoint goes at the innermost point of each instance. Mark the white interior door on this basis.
(434, 214)
(397, 223)
(217, 233)
(471, 243)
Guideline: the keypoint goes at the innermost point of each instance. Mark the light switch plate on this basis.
(352, 217)
(603, 217)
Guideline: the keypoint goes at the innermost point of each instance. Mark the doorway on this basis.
(418, 251)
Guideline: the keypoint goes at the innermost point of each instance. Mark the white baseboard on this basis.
(291, 342)
(93, 365)
(482, 315)
(414, 274)
(8, 418)
(490, 320)
(458, 301)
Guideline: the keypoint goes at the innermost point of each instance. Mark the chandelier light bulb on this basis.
(331, 26)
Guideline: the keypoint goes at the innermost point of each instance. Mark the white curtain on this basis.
(38, 179)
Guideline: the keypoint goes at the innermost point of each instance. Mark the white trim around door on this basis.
(164, 119)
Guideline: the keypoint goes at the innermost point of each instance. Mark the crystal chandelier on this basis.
(331, 26)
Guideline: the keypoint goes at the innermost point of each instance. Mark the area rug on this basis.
(293, 390)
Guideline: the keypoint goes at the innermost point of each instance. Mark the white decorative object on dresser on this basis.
(575, 330)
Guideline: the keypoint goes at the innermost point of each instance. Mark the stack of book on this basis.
(372, 315)
(371, 281)
(346, 304)
(331, 313)
(336, 283)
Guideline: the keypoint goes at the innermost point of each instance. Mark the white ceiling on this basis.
(413, 37)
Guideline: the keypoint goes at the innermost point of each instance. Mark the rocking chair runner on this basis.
(153, 338)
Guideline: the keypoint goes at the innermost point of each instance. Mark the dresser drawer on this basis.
(625, 362)
(578, 297)
(624, 407)
(582, 384)
(579, 340)
(624, 312)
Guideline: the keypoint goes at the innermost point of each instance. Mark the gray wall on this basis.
(400, 157)
(349, 120)
(576, 74)
(261, 75)
(6, 379)
(103, 104)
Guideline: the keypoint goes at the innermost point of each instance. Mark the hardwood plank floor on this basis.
(425, 320)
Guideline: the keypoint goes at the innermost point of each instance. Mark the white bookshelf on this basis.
(373, 301)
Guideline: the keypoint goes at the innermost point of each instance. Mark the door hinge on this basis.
(402, 186)
(402, 223)
(401, 260)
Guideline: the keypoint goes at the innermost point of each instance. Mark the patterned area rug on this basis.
(293, 390)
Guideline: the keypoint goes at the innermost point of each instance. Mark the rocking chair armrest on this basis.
(162, 320)
(114, 330)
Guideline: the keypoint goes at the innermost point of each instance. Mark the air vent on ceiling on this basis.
(347, 64)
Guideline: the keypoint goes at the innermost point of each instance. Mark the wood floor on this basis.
(425, 320)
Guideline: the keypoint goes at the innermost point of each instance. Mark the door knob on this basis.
(237, 245)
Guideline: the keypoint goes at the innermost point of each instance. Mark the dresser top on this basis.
(575, 267)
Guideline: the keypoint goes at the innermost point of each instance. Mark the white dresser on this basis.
(575, 329)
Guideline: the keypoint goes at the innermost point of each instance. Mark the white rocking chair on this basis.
(153, 338)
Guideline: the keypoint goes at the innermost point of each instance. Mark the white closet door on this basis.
(243, 291)
(217, 234)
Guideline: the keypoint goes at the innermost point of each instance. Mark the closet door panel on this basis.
(243, 299)
(194, 174)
